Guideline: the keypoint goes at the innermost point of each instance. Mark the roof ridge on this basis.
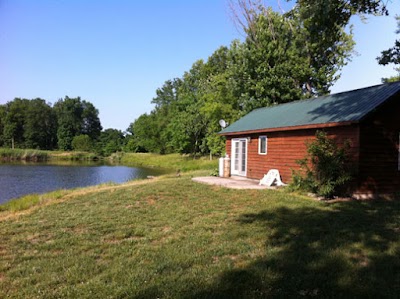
(367, 87)
(352, 105)
(325, 96)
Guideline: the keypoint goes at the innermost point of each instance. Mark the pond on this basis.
(17, 180)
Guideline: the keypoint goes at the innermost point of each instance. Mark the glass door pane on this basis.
(243, 157)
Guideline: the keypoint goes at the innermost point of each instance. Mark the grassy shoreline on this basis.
(31, 155)
(173, 238)
(170, 161)
(170, 237)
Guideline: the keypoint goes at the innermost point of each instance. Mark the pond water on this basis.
(20, 179)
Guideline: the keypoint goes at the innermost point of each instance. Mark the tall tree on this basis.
(392, 56)
(40, 125)
(284, 57)
(14, 123)
(284, 60)
(75, 117)
(2, 122)
(69, 116)
(91, 125)
(146, 135)
(110, 141)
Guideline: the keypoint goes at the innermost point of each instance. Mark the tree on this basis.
(91, 125)
(284, 59)
(13, 130)
(40, 126)
(69, 116)
(2, 122)
(110, 141)
(82, 143)
(75, 117)
(145, 134)
(392, 56)
(28, 124)
(219, 98)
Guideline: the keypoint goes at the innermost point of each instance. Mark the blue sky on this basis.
(115, 54)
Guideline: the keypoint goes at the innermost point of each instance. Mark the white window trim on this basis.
(259, 145)
(238, 172)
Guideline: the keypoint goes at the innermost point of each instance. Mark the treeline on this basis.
(70, 124)
(282, 59)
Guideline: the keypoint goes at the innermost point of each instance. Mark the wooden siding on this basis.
(285, 148)
(379, 151)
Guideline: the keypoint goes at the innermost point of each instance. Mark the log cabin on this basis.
(276, 137)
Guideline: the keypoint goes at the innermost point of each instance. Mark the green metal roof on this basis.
(350, 106)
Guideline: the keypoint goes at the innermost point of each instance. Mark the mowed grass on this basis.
(173, 238)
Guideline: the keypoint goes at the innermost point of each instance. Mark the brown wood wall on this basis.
(379, 152)
(285, 148)
(374, 148)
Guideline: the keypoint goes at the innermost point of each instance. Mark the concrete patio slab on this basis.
(233, 182)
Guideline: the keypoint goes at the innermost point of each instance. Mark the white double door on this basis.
(239, 156)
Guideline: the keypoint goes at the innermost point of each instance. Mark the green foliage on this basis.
(91, 125)
(146, 134)
(283, 58)
(393, 78)
(36, 124)
(75, 117)
(14, 122)
(215, 172)
(40, 125)
(326, 169)
(110, 141)
(82, 143)
(392, 56)
(2, 123)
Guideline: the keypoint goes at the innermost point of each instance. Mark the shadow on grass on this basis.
(345, 250)
(350, 250)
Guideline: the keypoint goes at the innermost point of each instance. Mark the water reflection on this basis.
(20, 179)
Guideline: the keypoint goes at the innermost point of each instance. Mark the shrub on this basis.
(326, 168)
(82, 143)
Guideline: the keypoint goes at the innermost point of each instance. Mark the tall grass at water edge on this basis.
(23, 155)
(7, 154)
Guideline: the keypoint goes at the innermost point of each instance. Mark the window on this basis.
(262, 145)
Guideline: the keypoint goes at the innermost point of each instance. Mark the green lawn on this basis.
(173, 238)
(170, 161)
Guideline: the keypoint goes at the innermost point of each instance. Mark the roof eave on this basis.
(291, 128)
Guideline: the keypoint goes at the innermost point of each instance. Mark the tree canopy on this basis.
(392, 56)
(76, 117)
(285, 56)
(36, 124)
